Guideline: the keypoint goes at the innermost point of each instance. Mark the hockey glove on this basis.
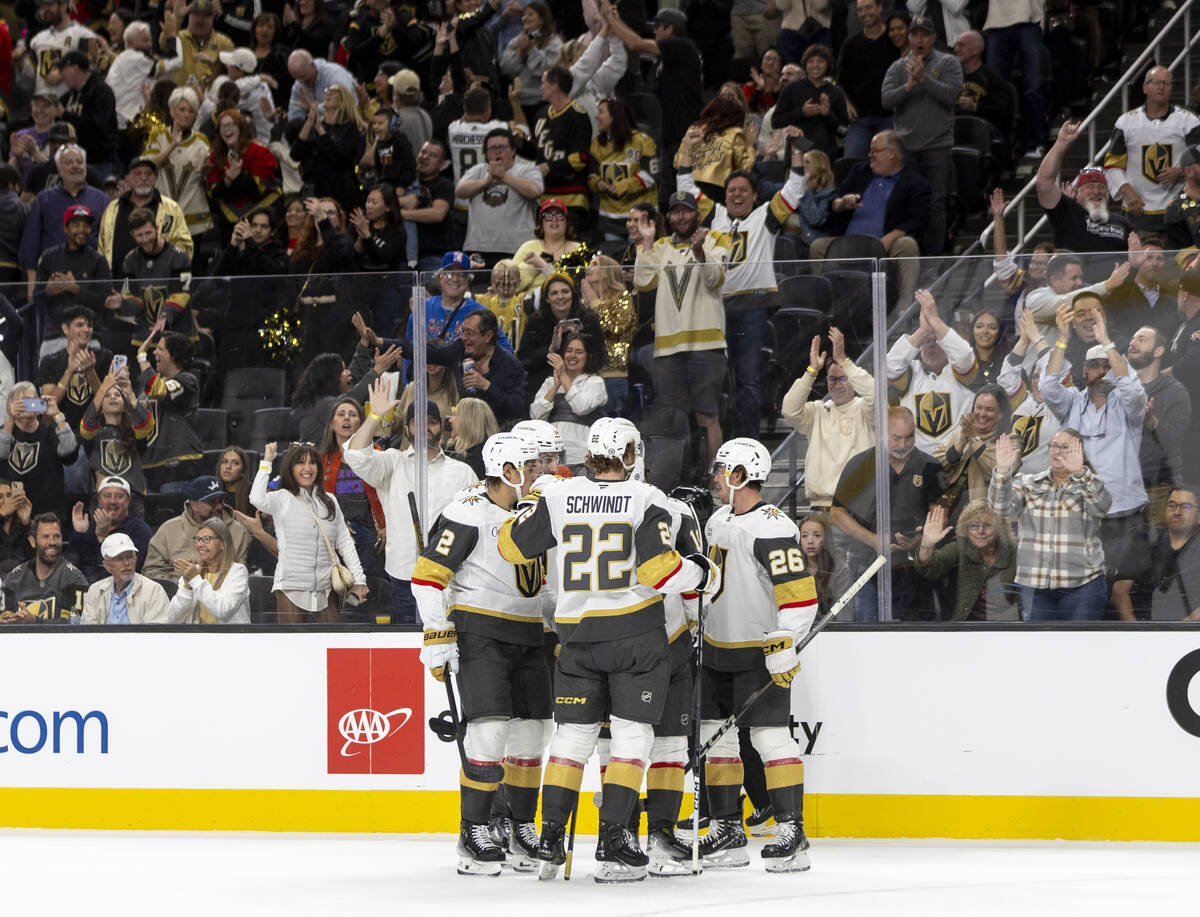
(779, 650)
(439, 652)
(710, 578)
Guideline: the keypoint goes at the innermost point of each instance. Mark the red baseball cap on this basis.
(552, 203)
(1090, 175)
(77, 212)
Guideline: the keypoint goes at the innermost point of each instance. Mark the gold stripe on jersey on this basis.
(745, 644)
(679, 633)
(470, 784)
(701, 336)
(506, 615)
(797, 592)
(609, 612)
(431, 573)
(657, 570)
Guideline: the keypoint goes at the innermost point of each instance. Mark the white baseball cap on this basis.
(117, 544)
(242, 58)
(114, 481)
(1096, 352)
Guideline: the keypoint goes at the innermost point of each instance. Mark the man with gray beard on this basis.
(1082, 224)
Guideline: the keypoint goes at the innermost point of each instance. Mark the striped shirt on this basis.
(1058, 526)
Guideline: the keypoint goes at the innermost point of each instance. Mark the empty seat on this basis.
(161, 507)
(213, 426)
(271, 425)
(248, 390)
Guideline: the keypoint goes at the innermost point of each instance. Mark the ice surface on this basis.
(228, 875)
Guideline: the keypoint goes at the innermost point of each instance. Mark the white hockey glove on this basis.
(779, 650)
(710, 580)
(439, 652)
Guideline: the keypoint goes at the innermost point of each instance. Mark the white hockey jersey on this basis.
(689, 313)
(751, 241)
(764, 585)
(1142, 147)
(688, 540)
(462, 577)
(466, 147)
(937, 400)
(614, 555)
(48, 47)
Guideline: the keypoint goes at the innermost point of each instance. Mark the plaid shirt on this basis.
(1058, 528)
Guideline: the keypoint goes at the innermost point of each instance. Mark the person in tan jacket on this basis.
(173, 540)
(125, 596)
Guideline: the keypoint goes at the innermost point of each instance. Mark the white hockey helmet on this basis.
(638, 471)
(743, 452)
(544, 433)
(609, 437)
(508, 448)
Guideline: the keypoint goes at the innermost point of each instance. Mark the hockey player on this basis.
(482, 616)
(550, 445)
(614, 558)
(766, 590)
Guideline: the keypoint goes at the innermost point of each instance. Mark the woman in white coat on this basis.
(307, 523)
(213, 589)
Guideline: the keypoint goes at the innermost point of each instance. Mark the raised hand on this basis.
(935, 526)
(270, 450)
(1006, 454)
(816, 358)
(381, 397)
(1028, 325)
(79, 519)
(386, 360)
(1068, 133)
(1063, 317)
(1073, 460)
(837, 341)
(996, 201)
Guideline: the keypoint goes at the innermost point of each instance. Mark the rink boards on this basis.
(981, 734)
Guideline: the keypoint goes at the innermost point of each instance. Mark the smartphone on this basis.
(120, 361)
(34, 405)
(17, 489)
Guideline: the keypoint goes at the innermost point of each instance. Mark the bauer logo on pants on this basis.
(375, 711)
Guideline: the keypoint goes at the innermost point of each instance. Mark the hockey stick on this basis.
(841, 603)
(696, 726)
(480, 773)
(570, 842)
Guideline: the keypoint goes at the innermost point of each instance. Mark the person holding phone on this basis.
(37, 442)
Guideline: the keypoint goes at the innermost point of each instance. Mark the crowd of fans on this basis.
(195, 190)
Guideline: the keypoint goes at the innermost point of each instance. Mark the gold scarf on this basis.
(206, 617)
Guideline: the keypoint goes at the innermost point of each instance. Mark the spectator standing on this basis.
(931, 369)
(445, 314)
(324, 382)
(69, 276)
(358, 500)
(111, 514)
(201, 45)
(1185, 364)
(503, 300)
(1143, 299)
(213, 587)
(116, 239)
(37, 443)
(483, 368)
(603, 292)
(1064, 282)
(115, 429)
(467, 430)
(969, 452)
(308, 523)
(48, 587)
(157, 281)
(501, 194)
(414, 121)
(984, 92)
(31, 145)
(137, 63)
(754, 27)
(982, 558)
(180, 158)
(1176, 560)
(389, 155)
(987, 343)
(72, 374)
(814, 104)
(392, 474)
(48, 46)
(623, 165)
(921, 89)
(320, 265)
(805, 23)
(1108, 414)
(1182, 216)
(265, 42)
(862, 64)
(467, 139)
(307, 27)
(573, 396)
(427, 204)
(1140, 165)
(242, 174)
(124, 596)
(528, 56)
(380, 246)
(717, 146)
(837, 428)
(175, 453)
(1012, 28)
(313, 75)
(597, 71)
(204, 502)
(689, 314)
(329, 148)
(1033, 421)
(562, 133)
(1060, 557)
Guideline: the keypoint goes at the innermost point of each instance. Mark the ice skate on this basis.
(724, 847)
(789, 851)
(522, 841)
(684, 829)
(550, 852)
(477, 854)
(618, 858)
(668, 856)
(759, 822)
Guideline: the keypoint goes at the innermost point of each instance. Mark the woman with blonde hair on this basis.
(982, 558)
(603, 291)
(441, 388)
(213, 587)
(330, 145)
(813, 209)
(471, 423)
(180, 154)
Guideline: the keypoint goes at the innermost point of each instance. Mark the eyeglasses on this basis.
(464, 331)
(1185, 507)
(1060, 447)
(837, 380)
(553, 215)
(876, 150)
(498, 148)
(980, 526)
(306, 445)
(203, 539)
(1158, 82)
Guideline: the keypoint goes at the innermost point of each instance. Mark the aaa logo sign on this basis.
(374, 711)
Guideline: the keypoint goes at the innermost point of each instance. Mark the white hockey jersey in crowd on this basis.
(466, 147)
(937, 400)
(1142, 147)
(48, 47)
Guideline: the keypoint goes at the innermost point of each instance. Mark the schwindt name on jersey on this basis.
(604, 503)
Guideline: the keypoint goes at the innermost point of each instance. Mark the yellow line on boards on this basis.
(418, 811)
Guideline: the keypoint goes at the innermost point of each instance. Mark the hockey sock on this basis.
(664, 793)
(785, 785)
(753, 778)
(522, 777)
(723, 780)
(476, 798)
(622, 780)
(560, 790)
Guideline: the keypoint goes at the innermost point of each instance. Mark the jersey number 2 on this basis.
(597, 555)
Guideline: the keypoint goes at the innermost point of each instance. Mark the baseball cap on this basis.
(432, 410)
(77, 212)
(203, 489)
(1090, 175)
(47, 96)
(142, 161)
(242, 58)
(61, 132)
(117, 544)
(672, 17)
(922, 24)
(114, 481)
(405, 82)
(75, 58)
(201, 6)
(552, 203)
(1096, 352)
(456, 259)
(1190, 157)
(111, 181)
(682, 199)
(1189, 281)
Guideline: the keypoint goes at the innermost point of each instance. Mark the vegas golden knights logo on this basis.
(529, 578)
(738, 246)
(1030, 431)
(1155, 158)
(933, 413)
(152, 404)
(112, 459)
(24, 457)
(78, 390)
(719, 556)
(679, 285)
